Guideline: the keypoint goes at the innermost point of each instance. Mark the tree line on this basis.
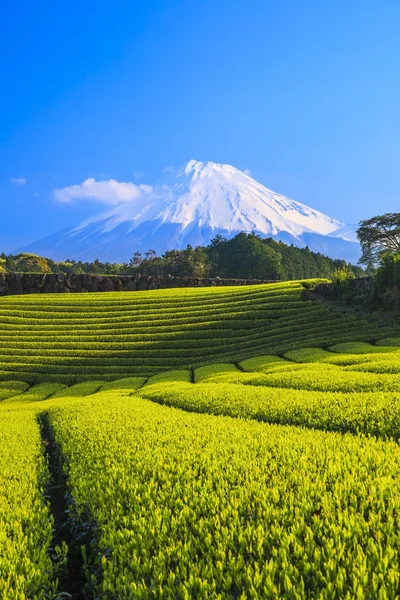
(245, 256)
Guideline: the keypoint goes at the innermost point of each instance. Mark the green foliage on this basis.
(245, 256)
(341, 276)
(30, 263)
(374, 412)
(107, 336)
(210, 371)
(26, 570)
(39, 392)
(386, 290)
(191, 262)
(80, 389)
(128, 383)
(181, 505)
(378, 236)
(389, 341)
(361, 348)
(309, 355)
(326, 378)
(190, 506)
(12, 388)
(261, 363)
(388, 273)
(341, 279)
(177, 375)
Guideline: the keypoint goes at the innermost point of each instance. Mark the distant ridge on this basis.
(195, 203)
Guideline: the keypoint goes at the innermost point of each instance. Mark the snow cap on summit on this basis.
(191, 205)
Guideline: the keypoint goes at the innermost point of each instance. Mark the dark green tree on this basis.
(378, 236)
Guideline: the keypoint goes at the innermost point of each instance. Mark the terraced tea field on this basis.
(69, 338)
(246, 446)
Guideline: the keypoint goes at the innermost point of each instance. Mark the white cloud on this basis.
(138, 175)
(247, 172)
(18, 180)
(168, 169)
(110, 191)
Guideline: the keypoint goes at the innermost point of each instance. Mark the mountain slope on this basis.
(191, 206)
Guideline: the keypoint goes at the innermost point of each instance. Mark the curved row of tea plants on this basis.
(197, 506)
(356, 392)
(26, 526)
(368, 413)
(81, 337)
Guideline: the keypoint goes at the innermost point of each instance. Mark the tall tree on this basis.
(379, 235)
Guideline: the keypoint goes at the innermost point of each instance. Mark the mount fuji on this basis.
(191, 205)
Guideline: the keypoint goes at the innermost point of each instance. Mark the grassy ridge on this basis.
(82, 337)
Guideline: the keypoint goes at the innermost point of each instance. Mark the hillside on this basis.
(77, 337)
(191, 205)
(259, 479)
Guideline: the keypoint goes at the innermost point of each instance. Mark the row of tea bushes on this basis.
(78, 337)
(373, 413)
(196, 506)
(26, 570)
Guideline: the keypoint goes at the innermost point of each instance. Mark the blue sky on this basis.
(305, 95)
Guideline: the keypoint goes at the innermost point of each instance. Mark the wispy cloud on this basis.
(138, 175)
(281, 176)
(168, 169)
(18, 180)
(110, 191)
(247, 172)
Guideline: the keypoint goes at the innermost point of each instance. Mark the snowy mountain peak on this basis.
(208, 169)
(192, 204)
(221, 196)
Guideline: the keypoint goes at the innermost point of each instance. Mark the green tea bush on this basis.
(129, 383)
(107, 336)
(306, 355)
(26, 570)
(12, 388)
(390, 341)
(373, 413)
(328, 378)
(361, 348)
(261, 363)
(388, 365)
(194, 506)
(80, 389)
(177, 375)
(210, 371)
(38, 392)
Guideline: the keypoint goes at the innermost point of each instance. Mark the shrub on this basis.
(194, 506)
(25, 519)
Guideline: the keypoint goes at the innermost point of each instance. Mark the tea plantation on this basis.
(223, 443)
(69, 338)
